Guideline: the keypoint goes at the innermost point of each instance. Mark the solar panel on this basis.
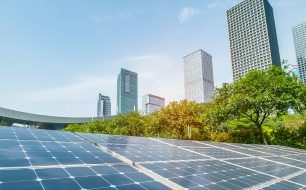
(42, 159)
(207, 174)
(210, 165)
(94, 177)
(11, 133)
(284, 185)
(143, 153)
(116, 139)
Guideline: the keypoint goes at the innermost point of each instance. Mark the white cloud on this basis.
(186, 14)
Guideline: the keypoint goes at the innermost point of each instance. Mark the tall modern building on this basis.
(104, 106)
(299, 37)
(198, 76)
(150, 103)
(252, 37)
(127, 92)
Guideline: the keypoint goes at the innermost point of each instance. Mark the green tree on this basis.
(3, 124)
(258, 95)
(180, 115)
(135, 123)
(156, 123)
(241, 123)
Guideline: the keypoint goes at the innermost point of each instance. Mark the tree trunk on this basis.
(262, 134)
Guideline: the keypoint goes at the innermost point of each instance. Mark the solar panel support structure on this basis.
(189, 131)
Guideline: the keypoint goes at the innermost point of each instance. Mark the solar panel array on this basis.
(47, 160)
(44, 159)
(210, 165)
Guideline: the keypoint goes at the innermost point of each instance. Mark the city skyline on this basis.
(61, 61)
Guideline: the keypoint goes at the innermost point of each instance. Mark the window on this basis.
(127, 83)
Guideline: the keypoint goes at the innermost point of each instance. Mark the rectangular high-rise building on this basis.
(252, 37)
(104, 106)
(127, 92)
(299, 37)
(198, 77)
(150, 103)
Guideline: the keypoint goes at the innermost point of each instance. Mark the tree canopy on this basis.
(258, 96)
(241, 107)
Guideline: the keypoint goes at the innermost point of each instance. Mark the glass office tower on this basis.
(127, 92)
(198, 76)
(299, 37)
(104, 106)
(252, 37)
(150, 103)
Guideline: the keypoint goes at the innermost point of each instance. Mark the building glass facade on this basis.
(299, 37)
(198, 77)
(103, 106)
(252, 37)
(127, 92)
(150, 103)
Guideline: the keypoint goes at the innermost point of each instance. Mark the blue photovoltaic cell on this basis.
(301, 179)
(96, 177)
(17, 175)
(142, 153)
(183, 143)
(284, 185)
(26, 185)
(116, 139)
(217, 174)
(26, 153)
(267, 167)
(12, 133)
(218, 153)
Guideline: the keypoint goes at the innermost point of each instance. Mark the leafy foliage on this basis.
(3, 124)
(252, 110)
(258, 95)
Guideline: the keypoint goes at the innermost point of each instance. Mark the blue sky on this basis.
(56, 56)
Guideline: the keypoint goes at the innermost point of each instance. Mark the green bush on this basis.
(3, 124)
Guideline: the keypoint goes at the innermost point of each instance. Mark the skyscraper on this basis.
(198, 76)
(150, 103)
(252, 37)
(104, 106)
(299, 37)
(127, 92)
